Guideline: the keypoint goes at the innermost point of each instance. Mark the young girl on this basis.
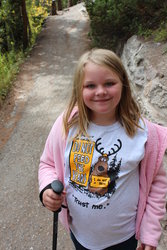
(109, 159)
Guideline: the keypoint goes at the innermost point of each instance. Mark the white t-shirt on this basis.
(102, 184)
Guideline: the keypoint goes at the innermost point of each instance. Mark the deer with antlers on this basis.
(100, 177)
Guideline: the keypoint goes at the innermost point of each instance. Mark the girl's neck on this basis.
(103, 119)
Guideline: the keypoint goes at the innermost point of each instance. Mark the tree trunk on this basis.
(70, 3)
(25, 25)
(54, 12)
(5, 47)
(59, 5)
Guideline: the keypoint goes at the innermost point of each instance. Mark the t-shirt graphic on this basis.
(100, 178)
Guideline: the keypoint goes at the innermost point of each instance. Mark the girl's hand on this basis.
(149, 248)
(51, 200)
(146, 247)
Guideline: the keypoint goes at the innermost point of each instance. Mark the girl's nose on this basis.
(101, 91)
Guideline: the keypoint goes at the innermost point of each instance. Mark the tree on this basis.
(54, 12)
(25, 25)
(70, 3)
(59, 5)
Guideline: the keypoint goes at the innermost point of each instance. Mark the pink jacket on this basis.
(153, 182)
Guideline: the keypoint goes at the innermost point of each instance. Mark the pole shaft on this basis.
(55, 227)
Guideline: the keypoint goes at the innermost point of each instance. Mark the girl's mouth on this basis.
(102, 100)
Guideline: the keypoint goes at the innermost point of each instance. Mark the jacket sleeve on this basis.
(51, 161)
(150, 230)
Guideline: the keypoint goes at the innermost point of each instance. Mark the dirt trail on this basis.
(39, 96)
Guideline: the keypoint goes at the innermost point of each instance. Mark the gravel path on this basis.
(39, 96)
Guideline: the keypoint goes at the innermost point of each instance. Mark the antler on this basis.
(114, 151)
(118, 148)
(96, 146)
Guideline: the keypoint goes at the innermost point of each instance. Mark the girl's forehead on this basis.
(90, 67)
(95, 65)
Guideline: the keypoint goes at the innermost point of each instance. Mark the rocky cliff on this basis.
(146, 64)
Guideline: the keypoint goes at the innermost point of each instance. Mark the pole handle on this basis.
(57, 187)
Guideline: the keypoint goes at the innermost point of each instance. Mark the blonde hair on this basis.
(128, 113)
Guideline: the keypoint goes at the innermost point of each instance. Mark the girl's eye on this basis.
(109, 84)
(90, 86)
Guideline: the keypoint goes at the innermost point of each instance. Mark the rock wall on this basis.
(146, 64)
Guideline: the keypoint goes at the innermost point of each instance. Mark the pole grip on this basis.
(57, 186)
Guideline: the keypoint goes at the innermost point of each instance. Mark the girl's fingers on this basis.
(149, 248)
(146, 247)
(140, 248)
(53, 206)
(51, 200)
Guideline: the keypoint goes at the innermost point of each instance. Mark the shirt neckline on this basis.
(113, 126)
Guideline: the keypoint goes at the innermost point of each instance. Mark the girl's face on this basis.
(102, 90)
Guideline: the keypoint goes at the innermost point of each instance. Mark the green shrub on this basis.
(36, 16)
(114, 21)
(160, 34)
(9, 66)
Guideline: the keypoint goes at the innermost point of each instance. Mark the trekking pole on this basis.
(57, 187)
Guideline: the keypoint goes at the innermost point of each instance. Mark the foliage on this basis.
(74, 2)
(10, 26)
(160, 34)
(11, 22)
(67, 3)
(11, 35)
(114, 21)
(36, 15)
(64, 3)
(9, 66)
(17, 25)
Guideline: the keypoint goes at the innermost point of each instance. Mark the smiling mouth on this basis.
(102, 100)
